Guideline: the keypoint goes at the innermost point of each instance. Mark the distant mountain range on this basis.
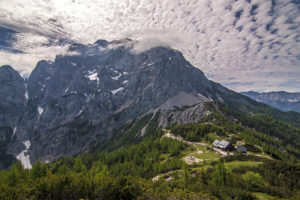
(284, 101)
(103, 95)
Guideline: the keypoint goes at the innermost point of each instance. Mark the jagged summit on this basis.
(83, 100)
(101, 45)
(6, 67)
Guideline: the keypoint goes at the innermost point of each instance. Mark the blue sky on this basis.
(244, 44)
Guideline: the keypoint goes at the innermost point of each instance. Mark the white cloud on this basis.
(152, 38)
(226, 48)
(35, 48)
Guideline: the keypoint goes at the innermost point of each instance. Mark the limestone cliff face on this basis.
(85, 98)
(12, 96)
(79, 101)
(12, 108)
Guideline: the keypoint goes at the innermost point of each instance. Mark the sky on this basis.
(242, 44)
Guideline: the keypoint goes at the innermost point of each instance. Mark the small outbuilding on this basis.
(241, 149)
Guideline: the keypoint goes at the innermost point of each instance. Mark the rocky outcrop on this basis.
(12, 108)
(79, 101)
(92, 95)
(12, 96)
(184, 115)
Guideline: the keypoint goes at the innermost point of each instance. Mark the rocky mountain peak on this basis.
(8, 74)
(12, 96)
(82, 99)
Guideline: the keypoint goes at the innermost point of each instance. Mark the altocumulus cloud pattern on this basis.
(243, 44)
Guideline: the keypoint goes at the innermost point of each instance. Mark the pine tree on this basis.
(220, 176)
(38, 169)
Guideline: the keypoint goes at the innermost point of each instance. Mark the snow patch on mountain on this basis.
(80, 112)
(43, 86)
(14, 133)
(73, 64)
(26, 92)
(292, 100)
(93, 76)
(117, 77)
(40, 110)
(115, 71)
(24, 156)
(117, 90)
(150, 64)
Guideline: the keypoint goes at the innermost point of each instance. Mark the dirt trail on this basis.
(170, 135)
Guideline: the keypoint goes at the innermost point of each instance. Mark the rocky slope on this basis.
(12, 108)
(101, 92)
(79, 101)
(282, 100)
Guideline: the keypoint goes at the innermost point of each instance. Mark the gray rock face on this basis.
(282, 100)
(184, 115)
(12, 107)
(79, 101)
(97, 92)
(82, 100)
(12, 96)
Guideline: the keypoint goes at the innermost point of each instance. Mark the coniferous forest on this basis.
(150, 100)
(156, 167)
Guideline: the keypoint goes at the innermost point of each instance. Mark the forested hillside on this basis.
(177, 162)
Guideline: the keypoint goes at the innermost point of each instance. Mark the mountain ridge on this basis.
(281, 100)
(88, 90)
(83, 100)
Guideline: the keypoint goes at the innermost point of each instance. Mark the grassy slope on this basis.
(153, 155)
